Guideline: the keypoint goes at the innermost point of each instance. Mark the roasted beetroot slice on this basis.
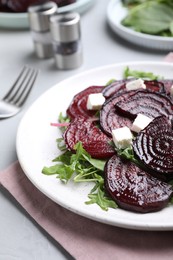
(151, 104)
(114, 88)
(134, 189)
(94, 141)
(78, 106)
(120, 85)
(154, 85)
(109, 117)
(153, 145)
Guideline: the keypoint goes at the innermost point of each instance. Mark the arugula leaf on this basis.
(99, 164)
(97, 195)
(64, 171)
(63, 119)
(128, 154)
(64, 158)
(139, 74)
(110, 82)
(101, 199)
(82, 168)
(61, 144)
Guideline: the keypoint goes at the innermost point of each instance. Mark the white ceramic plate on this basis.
(20, 20)
(36, 147)
(116, 12)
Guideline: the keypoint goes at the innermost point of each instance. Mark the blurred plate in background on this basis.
(20, 20)
(116, 12)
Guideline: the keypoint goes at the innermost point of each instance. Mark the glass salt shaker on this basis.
(39, 24)
(66, 39)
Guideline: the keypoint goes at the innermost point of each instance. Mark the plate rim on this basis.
(119, 28)
(120, 223)
(5, 17)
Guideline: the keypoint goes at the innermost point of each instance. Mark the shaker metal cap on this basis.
(65, 27)
(39, 15)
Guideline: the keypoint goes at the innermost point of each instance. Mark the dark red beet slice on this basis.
(152, 104)
(154, 85)
(114, 88)
(120, 85)
(134, 189)
(154, 145)
(109, 117)
(78, 106)
(94, 141)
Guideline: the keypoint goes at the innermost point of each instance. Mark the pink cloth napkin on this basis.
(169, 57)
(85, 239)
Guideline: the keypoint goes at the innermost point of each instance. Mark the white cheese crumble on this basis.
(140, 122)
(135, 84)
(95, 101)
(122, 137)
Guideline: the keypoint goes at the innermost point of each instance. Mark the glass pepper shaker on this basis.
(40, 28)
(66, 39)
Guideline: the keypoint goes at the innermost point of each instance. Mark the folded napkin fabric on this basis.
(169, 57)
(83, 238)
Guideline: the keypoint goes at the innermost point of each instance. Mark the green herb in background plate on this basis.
(150, 17)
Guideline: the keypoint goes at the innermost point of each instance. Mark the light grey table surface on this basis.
(20, 237)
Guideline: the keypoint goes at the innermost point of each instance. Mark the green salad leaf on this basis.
(128, 154)
(101, 199)
(151, 17)
(81, 167)
(139, 74)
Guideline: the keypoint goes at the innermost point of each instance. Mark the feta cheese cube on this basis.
(122, 137)
(135, 84)
(95, 101)
(140, 122)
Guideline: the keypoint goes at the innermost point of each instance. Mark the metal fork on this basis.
(15, 98)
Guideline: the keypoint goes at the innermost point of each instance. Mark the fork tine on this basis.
(16, 96)
(18, 90)
(13, 90)
(27, 88)
(22, 86)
